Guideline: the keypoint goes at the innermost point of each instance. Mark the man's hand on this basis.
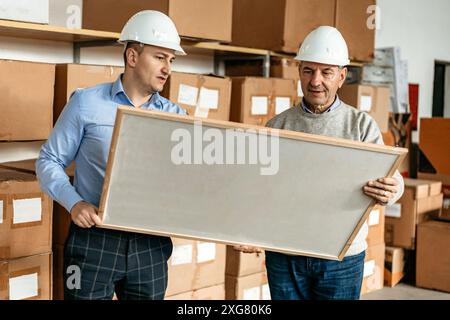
(248, 249)
(84, 215)
(382, 190)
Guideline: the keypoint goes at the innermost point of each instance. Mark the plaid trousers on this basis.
(132, 265)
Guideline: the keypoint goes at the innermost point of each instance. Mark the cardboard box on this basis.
(28, 278)
(376, 226)
(356, 22)
(195, 265)
(202, 19)
(240, 264)
(201, 96)
(434, 142)
(27, 97)
(279, 25)
(29, 166)
(35, 11)
(257, 100)
(251, 287)
(66, 13)
(373, 277)
(372, 99)
(433, 256)
(421, 200)
(25, 216)
(393, 266)
(210, 293)
(70, 77)
(445, 180)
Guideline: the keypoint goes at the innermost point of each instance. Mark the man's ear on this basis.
(131, 55)
(343, 76)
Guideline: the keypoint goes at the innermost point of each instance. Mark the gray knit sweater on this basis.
(343, 122)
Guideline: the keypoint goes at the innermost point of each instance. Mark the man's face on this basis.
(152, 67)
(320, 83)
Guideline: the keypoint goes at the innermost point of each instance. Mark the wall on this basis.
(421, 28)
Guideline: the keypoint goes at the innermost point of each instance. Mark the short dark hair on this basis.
(139, 47)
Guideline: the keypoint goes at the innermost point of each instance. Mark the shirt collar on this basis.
(336, 103)
(117, 89)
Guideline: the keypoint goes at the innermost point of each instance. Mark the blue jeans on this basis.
(305, 278)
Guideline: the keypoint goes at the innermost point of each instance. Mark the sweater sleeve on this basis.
(371, 133)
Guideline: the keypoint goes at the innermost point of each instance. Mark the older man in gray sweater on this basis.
(323, 56)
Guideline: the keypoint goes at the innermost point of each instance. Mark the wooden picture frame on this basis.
(314, 205)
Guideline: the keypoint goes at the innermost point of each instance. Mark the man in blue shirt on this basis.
(132, 265)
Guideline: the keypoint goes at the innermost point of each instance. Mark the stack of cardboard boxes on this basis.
(196, 270)
(246, 276)
(421, 202)
(200, 95)
(373, 275)
(257, 100)
(25, 238)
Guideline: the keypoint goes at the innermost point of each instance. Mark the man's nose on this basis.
(316, 79)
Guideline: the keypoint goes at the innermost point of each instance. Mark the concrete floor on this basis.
(406, 292)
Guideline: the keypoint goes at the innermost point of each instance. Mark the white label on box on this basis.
(209, 99)
(201, 113)
(187, 95)
(266, 292)
(282, 104)
(27, 210)
(23, 287)
(181, 255)
(369, 268)
(260, 106)
(1, 211)
(446, 204)
(366, 103)
(394, 211)
(299, 89)
(206, 251)
(252, 294)
(374, 217)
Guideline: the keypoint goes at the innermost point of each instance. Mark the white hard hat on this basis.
(152, 28)
(324, 45)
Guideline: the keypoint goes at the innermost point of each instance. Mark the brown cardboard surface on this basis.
(353, 94)
(212, 18)
(40, 264)
(445, 180)
(251, 287)
(433, 255)
(70, 77)
(174, 89)
(401, 232)
(242, 264)
(245, 88)
(27, 97)
(435, 143)
(278, 25)
(393, 266)
(351, 21)
(25, 238)
(284, 68)
(376, 227)
(187, 274)
(210, 293)
(373, 269)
